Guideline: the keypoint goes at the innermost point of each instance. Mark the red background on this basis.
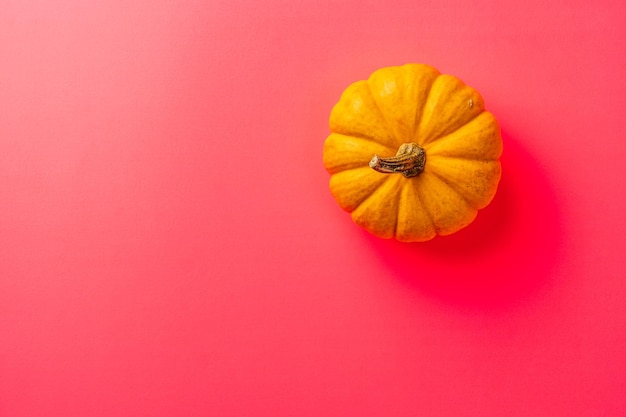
(169, 247)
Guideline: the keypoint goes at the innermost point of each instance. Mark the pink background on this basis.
(169, 247)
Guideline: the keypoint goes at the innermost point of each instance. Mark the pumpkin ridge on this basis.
(398, 199)
(479, 138)
(366, 138)
(385, 180)
(380, 207)
(388, 123)
(399, 203)
(452, 185)
(335, 143)
(369, 139)
(356, 113)
(420, 114)
(452, 132)
(429, 215)
(462, 158)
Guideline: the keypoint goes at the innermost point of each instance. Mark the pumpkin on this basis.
(412, 153)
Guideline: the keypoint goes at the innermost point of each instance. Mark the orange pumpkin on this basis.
(412, 153)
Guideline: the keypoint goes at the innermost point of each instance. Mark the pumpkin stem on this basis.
(409, 161)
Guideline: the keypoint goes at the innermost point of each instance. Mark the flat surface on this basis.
(169, 247)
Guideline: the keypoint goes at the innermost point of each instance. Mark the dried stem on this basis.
(409, 161)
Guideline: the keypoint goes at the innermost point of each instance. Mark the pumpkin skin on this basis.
(416, 104)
